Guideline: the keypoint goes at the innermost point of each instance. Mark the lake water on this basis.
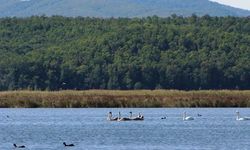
(47, 129)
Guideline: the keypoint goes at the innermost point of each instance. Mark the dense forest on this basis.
(116, 8)
(53, 53)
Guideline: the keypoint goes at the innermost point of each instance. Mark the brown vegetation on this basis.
(135, 98)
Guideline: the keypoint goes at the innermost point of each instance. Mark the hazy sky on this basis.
(236, 3)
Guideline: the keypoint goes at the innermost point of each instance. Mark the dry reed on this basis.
(135, 98)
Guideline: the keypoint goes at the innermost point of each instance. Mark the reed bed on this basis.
(123, 99)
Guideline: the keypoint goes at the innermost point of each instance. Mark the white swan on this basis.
(138, 118)
(238, 118)
(110, 118)
(186, 118)
(122, 119)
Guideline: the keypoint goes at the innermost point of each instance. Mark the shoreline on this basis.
(125, 99)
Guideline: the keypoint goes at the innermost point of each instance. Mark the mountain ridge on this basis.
(114, 8)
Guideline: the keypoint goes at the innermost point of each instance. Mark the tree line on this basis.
(186, 53)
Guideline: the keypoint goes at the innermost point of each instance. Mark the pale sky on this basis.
(245, 4)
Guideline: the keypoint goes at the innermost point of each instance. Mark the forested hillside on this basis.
(149, 53)
(116, 8)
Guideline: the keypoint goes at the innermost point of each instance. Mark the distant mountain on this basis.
(116, 8)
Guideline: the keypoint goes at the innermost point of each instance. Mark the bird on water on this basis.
(186, 118)
(238, 118)
(68, 144)
(22, 146)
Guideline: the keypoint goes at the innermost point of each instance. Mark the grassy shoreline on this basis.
(123, 99)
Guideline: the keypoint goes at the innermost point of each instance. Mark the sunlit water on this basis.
(47, 129)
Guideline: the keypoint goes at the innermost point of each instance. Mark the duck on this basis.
(110, 117)
(238, 118)
(163, 118)
(187, 118)
(199, 115)
(22, 146)
(68, 145)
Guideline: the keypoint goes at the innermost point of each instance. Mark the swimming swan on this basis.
(122, 119)
(238, 118)
(110, 117)
(186, 118)
(138, 118)
(18, 146)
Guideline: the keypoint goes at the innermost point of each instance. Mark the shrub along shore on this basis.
(123, 99)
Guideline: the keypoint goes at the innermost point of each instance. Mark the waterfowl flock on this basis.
(141, 117)
(184, 117)
(130, 118)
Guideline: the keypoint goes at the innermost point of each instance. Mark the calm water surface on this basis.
(47, 129)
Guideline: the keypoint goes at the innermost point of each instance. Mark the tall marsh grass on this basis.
(135, 98)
